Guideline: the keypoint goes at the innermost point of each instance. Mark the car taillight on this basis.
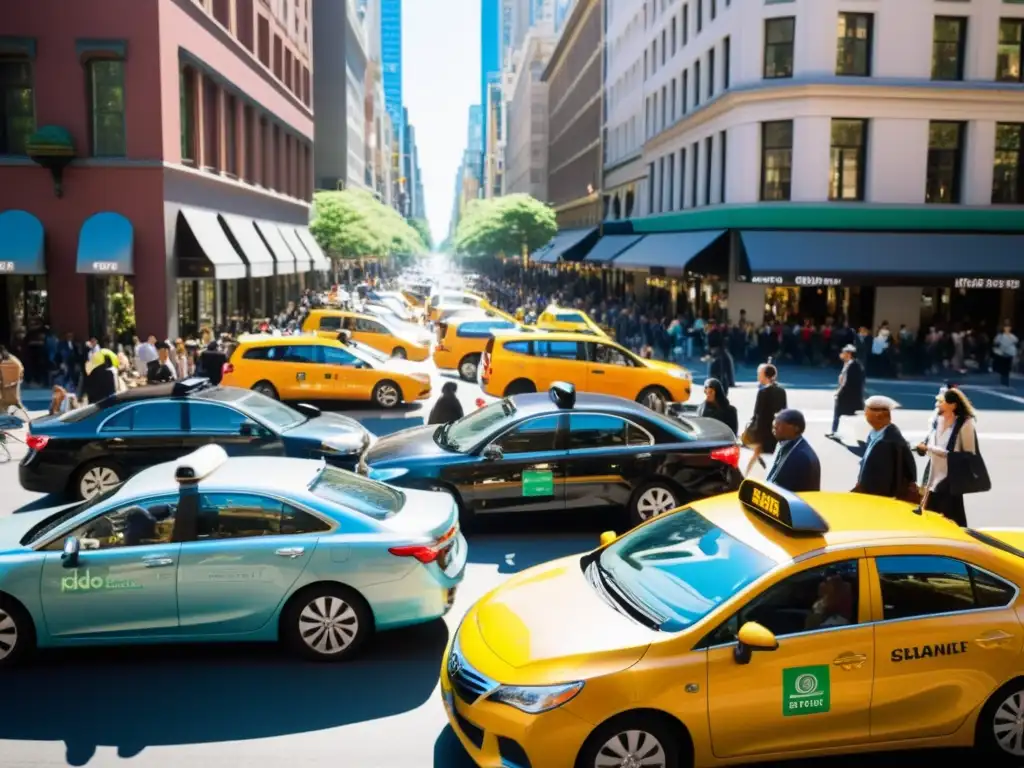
(426, 553)
(36, 442)
(730, 455)
(226, 369)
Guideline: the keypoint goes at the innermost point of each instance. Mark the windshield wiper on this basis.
(442, 437)
(626, 602)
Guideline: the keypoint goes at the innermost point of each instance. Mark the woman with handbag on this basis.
(955, 466)
(771, 398)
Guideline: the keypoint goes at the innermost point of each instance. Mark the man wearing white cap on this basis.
(887, 467)
(850, 395)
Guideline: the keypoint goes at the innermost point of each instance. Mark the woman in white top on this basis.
(953, 408)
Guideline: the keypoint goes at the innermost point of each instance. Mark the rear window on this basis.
(481, 330)
(79, 414)
(365, 496)
(329, 323)
(569, 317)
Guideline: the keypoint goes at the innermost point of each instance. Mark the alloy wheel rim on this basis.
(1008, 724)
(328, 625)
(8, 634)
(468, 370)
(98, 480)
(654, 401)
(399, 353)
(387, 396)
(263, 389)
(655, 501)
(631, 749)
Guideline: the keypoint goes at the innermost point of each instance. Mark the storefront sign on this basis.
(985, 282)
(767, 280)
(104, 266)
(6, 267)
(801, 280)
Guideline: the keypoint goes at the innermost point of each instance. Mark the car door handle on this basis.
(291, 552)
(995, 639)
(157, 561)
(850, 661)
(644, 455)
(599, 373)
(117, 439)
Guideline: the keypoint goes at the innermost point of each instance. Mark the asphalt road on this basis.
(217, 706)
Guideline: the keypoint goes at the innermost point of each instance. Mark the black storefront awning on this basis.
(224, 261)
(669, 250)
(884, 258)
(569, 245)
(609, 247)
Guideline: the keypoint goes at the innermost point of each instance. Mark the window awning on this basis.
(669, 250)
(283, 255)
(106, 245)
(261, 260)
(303, 261)
(21, 244)
(610, 246)
(884, 258)
(567, 244)
(320, 261)
(209, 234)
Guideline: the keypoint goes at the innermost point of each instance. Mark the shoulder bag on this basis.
(905, 491)
(967, 472)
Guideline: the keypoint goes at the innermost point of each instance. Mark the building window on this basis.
(776, 159)
(645, 65)
(650, 124)
(17, 106)
(664, 107)
(654, 116)
(948, 42)
(849, 144)
(250, 144)
(211, 126)
(709, 144)
(945, 156)
(726, 61)
(105, 82)
(778, 47)
(682, 178)
(686, 23)
(853, 56)
(1007, 177)
(654, 56)
(722, 151)
(673, 112)
(714, 9)
(670, 162)
(696, 83)
(711, 73)
(695, 177)
(650, 187)
(686, 90)
(187, 88)
(674, 34)
(230, 137)
(664, 46)
(1008, 54)
(661, 185)
(700, 15)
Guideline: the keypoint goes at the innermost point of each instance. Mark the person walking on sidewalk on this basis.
(954, 432)
(887, 465)
(771, 398)
(1004, 353)
(850, 395)
(796, 467)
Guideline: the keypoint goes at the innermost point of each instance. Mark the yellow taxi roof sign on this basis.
(781, 507)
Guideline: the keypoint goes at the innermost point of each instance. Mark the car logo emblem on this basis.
(454, 665)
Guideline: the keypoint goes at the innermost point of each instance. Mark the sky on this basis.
(440, 80)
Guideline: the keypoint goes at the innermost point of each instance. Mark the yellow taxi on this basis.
(556, 318)
(448, 298)
(461, 342)
(515, 363)
(756, 626)
(373, 331)
(314, 368)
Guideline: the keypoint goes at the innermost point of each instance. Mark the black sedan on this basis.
(554, 452)
(89, 450)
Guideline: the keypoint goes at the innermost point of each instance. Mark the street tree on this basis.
(505, 224)
(423, 230)
(353, 224)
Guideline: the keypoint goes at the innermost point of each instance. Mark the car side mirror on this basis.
(72, 547)
(753, 637)
(608, 537)
(493, 452)
(307, 410)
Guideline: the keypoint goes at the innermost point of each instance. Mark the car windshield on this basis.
(265, 409)
(680, 568)
(365, 496)
(365, 353)
(463, 434)
(41, 529)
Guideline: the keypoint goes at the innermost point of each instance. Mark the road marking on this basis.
(1003, 395)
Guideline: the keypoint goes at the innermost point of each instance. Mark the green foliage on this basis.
(122, 311)
(353, 224)
(504, 225)
(446, 246)
(423, 230)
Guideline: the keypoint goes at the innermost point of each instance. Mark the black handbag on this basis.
(967, 472)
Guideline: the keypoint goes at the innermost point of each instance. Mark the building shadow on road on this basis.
(143, 697)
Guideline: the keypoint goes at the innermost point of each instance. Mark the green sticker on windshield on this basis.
(806, 691)
(538, 482)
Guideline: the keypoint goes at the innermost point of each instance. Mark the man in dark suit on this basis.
(850, 395)
(796, 467)
(887, 467)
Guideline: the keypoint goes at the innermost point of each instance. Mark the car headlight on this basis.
(680, 373)
(535, 699)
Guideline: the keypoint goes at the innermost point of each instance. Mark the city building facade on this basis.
(160, 151)
(391, 61)
(526, 145)
(494, 138)
(490, 62)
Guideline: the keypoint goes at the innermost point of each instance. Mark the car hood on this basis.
(14, 527)
(404, 367)
(526, 625)
(340, 432)
(413, 443)
(662, 365)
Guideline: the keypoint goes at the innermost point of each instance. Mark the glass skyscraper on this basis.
(391, 62)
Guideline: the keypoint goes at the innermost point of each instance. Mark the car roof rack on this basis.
(190, 385)
(781, 507)
(200, 464)
(563, 394)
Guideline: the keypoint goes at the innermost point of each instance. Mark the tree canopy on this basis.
(504, 225)
(352, 224)
(423, 230)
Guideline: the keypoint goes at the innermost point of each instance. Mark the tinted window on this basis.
(519, 347)
(133, 525)
(474, 427)
(592, 430)
(205, 417)
(335, 356)
(158, 417)
(244, 515)
(480, 330)
(297, 353)
(294, 521)
(533, 435)
(328, 323)
(926, 586)
(369, 326)
(257, 353)
(563, 350)
(636, 436)
(365, 496)
(608, 355)
(813, 599)
(119, 422)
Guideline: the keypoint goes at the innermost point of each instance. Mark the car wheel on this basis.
(17, 633)
(651, 500)
(468, 366)
(520, 387)
(654, 398)
(97, 478)
(400, 353)
(387, 394)
(1000, 729)
(632, 740)
(265, 388)
(327, 623)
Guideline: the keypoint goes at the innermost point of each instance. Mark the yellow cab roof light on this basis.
(781, 507)
(200, 464)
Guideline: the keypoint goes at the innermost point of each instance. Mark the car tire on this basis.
(387, 394)
(652, 499)
(520, 387)
(266, 388)
(400, 353)
(996, 732)
(645, 737)
(17, 633)
(655, 398)
(327, 622)
(468, 367)
(95, 478)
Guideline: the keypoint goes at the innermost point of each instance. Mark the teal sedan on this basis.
(212, 549)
